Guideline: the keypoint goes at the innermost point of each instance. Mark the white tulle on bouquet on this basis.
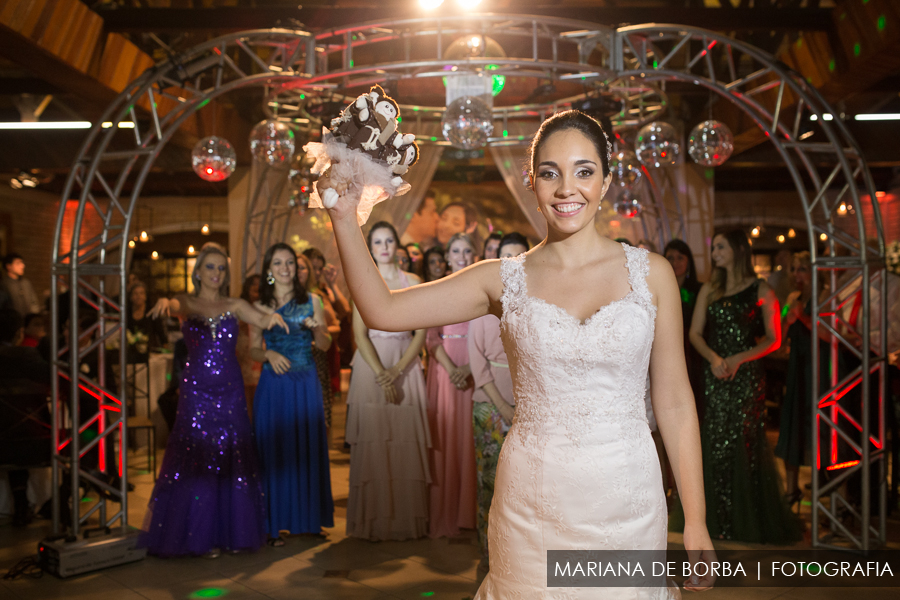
(373, 178)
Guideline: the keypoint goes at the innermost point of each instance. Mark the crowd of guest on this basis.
(247, 461)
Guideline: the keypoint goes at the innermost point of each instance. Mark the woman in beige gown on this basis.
(387, 426)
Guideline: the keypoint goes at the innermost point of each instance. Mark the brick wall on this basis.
(31, 218)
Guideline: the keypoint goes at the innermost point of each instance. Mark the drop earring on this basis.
(270, 279)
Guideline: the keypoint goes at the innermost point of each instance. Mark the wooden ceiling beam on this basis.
(66, 44)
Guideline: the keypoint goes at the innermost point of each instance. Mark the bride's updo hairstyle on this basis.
(570, 119)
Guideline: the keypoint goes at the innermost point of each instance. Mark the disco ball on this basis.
(272, 142)
(657, 144)
(626, 170)
(468, 123)
(213, 159)
(710, 143)
(628, 206)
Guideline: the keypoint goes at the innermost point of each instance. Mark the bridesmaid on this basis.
(289, 418)
(492, 245)
(403, 260)
(388, 426)
(209, 497)
(736, 322)
(434, 264)
(415, 258)
(493, 402)
(679, 255)
(323, 358)
(452, 504)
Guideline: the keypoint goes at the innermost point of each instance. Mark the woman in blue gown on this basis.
(209, 497)
(288, 413)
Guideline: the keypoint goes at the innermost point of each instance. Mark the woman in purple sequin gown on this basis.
(209, 496)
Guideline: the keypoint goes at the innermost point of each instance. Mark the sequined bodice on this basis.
(211, 344)
(571, 373)
(296, 346)
(733, 323)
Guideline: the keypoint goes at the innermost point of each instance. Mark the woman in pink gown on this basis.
(387, 428)
(452, 503)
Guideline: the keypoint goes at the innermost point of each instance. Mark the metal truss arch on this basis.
(778, 100)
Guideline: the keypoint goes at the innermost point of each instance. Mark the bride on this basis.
(583, 320)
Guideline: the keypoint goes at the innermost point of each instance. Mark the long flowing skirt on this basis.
(744, 498)
(389, 473)
(209, 494)
(453, 497)
(602, 491)
(289, 422)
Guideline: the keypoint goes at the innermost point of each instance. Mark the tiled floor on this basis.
(309, 568)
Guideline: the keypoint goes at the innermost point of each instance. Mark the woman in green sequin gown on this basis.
(736, 322)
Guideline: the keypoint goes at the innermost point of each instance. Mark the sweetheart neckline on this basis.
(208, 320)
(579, 322)
(626, 297)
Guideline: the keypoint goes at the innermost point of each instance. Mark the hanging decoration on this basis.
(476, 47)
(626, 170)
(628, 206)
(213, 159)
(468, 123)
(300, 182)
(272, 143)
(657, 144)
(710, 143)
(364, 148)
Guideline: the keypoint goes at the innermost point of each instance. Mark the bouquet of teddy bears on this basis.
(365, 149)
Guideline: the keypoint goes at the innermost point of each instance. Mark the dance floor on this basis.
(311, 568)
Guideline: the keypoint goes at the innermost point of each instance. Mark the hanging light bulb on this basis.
(145, 237)
(205, 229)
(755, 232)
(154, 255)
(842, 209)
(131, 243)
(191, 249)
(780, 238)
(823, 237)
(792, 233)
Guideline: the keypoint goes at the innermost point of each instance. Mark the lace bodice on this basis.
(576, 374)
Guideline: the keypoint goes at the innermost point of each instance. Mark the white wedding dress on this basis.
(578, 469)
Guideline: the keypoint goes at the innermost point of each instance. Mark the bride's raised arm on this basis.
(471, 293)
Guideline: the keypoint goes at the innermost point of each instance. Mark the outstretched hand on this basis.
(160, 309)
(276, 319)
